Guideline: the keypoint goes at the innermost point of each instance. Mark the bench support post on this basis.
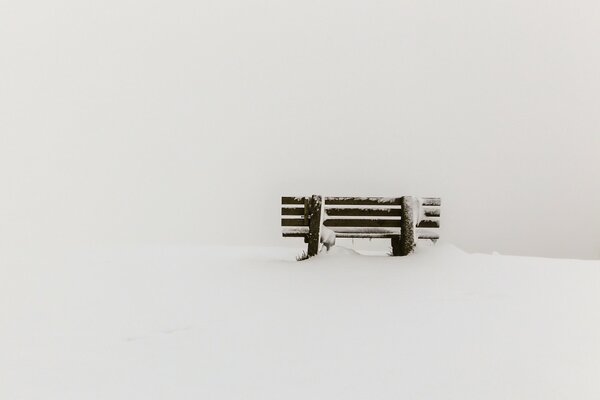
(396, 246)
(314, 229)
(406, 243)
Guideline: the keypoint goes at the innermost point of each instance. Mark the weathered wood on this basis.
(294, 222)
(428, 223)
(306, 210)
(374, 235)
(431, 212)
(374, 201)
(363, 212)
(314, 218)
(292, 211)
(303, 229)
(431, 236)
(293, 234)
(366, 235)
(396, 248)
(384, 223)
(431, 201)
(426, 234)
(361, 217)
(368, 201)
(407, 239)
(359, 230)
(292, 200)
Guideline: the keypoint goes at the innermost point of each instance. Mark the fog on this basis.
(144, 123)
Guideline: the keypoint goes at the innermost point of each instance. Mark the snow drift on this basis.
(252, 323)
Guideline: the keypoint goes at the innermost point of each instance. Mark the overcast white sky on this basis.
(149, 122)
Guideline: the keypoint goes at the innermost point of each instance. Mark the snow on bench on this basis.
(401, 219)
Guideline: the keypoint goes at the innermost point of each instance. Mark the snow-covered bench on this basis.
(401, 219)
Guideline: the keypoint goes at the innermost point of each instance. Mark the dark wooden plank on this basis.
(294, 222)
(292, 211)
(294, 234)
(383, 223)
(356, 235)
(431, 201)
(363, 201)
(428, 223)
(363, 212)
(292, 200)
(431, 212)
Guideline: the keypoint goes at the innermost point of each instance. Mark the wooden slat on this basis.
(431, 201)
(350, 235)
(426, 234)
(431, 212)
(295, 231)
(373, 201)
(374, 233)
(363, 212)
(294, 222)
(355, 235)
(360, 223)
(428, 223)
(342, 232)
(294, 234)
(387, 223)
(292, 200)
(354, 229)
(363, 201)
(289, 229)
(292, 211)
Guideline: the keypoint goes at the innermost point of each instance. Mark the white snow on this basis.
(327, 237)
(252, 323)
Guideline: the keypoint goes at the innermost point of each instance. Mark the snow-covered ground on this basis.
(252, 323)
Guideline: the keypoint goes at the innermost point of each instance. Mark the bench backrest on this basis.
(361, 217)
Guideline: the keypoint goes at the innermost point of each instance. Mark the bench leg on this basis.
(396, 246)
(407, 233)
(314, 230)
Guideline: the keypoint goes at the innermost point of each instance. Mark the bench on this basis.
(401, 219)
